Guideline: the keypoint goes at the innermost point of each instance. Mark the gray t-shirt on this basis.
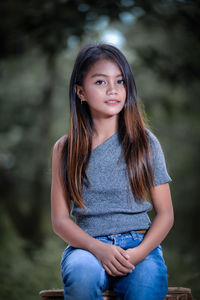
(111, 206)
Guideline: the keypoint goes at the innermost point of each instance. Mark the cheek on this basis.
(93, 92)
(124, 93)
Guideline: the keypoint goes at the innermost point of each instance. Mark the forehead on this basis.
(104, 66)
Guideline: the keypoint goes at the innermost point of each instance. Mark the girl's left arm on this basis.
(162, 223)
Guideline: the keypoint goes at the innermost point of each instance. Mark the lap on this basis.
(147, 281)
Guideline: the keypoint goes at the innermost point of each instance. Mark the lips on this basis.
(112, 101)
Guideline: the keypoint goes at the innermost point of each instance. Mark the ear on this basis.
(80, 92)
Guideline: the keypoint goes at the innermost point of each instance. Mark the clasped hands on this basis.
(117, 261)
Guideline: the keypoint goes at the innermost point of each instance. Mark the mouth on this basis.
(112, 101)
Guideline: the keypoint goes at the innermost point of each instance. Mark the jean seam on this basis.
(102, 282)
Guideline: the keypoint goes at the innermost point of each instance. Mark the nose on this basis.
(112, 89)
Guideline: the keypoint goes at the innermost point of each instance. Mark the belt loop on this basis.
(112, 238)
(132, 232)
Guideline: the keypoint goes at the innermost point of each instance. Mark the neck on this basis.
(105, 127)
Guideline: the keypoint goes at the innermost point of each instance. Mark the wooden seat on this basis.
(174, 293)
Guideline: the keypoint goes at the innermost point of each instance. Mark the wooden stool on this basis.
(174, 293)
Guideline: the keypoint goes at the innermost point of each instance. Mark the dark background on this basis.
(38, 44)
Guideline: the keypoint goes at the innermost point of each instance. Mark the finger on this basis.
(107, 270)
(124, 253)
(123, 261)
(126, 256)
(113, 271)
(120, 268)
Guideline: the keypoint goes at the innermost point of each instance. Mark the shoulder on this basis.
(151, 136)
(157, 160)
(154, 144)
(59, 144)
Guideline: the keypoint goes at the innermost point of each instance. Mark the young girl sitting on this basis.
(102, 172)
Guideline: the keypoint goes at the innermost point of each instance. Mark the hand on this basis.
(114, 259)
(135, 255)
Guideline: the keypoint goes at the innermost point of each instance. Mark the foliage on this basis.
(39, 43)
(22, 275)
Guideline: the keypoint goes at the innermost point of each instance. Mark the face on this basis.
(103, 89)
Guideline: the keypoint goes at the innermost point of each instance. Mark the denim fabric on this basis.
(85, 278)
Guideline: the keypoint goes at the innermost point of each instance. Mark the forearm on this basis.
(73, 235)
(160, 227)
(163, 221)
(113, 258)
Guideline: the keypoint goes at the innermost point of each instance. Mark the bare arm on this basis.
(113, 258)
(162, 223)
(60, 206)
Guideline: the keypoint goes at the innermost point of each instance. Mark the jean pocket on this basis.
(137, 236)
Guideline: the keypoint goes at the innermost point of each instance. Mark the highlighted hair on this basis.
(132, 134)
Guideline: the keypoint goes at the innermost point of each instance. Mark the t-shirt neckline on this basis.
(105, 142)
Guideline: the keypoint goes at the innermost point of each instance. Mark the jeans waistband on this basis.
(129, 232)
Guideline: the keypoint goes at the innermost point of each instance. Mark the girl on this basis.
(102, 172)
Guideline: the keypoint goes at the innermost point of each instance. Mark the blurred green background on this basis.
(39, 41)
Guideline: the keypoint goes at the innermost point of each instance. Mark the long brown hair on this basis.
(132, 133)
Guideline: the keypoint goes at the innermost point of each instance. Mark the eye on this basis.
(100, 82)
(121, 81)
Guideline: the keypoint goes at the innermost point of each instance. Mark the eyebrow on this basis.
(104, 75)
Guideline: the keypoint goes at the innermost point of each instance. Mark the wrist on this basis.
(143, 252)
(93, 245)
(138, 253)
(135, 255)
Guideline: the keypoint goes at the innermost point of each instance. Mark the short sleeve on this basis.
(158, 160)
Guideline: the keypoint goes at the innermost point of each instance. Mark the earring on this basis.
(82, 100)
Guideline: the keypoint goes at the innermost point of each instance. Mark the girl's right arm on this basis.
(113, 258)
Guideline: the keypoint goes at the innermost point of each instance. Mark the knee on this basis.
(154, 272)
(81, 269)
(149, 281)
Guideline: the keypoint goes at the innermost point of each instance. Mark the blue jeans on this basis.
(85, 278)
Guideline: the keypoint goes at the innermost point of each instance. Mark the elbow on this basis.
(170, 223)
(55, 225)
(59, 224)
(170, 218)
(167, 219)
